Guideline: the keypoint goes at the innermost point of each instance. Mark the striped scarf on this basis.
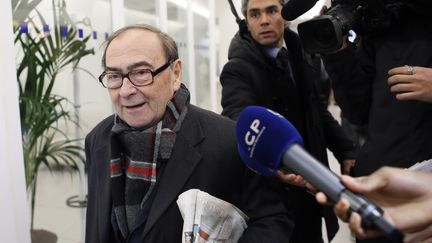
(134, 160)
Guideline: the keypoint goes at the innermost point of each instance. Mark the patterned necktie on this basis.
(282, 60)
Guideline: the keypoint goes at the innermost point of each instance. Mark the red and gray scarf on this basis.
(134, 159)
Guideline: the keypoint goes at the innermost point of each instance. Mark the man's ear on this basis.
(177, 70)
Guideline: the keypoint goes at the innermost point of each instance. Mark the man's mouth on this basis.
(134, 106)
(266, 32)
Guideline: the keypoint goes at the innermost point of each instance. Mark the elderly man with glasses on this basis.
(157, 146)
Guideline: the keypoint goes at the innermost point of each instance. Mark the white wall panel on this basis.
(14, 220)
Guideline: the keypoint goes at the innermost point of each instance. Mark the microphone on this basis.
(294, 8)
(265, 139)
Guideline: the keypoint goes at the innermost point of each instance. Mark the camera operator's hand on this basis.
(323, 10)
(411, 83)
(347, 166)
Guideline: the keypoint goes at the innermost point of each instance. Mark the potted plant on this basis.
(44, 55)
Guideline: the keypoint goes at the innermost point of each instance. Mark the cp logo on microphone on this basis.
(252, 136)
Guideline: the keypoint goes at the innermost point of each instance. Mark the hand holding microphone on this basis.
(268, 142)
(292, 179)
(405, 196)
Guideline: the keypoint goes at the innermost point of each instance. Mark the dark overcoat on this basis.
(204, 157)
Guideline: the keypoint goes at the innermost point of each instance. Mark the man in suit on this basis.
(267, 67)
(157, 146)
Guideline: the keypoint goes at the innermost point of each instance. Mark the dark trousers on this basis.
(307, 216)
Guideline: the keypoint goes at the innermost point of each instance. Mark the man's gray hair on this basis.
(244, 4)
(168, 43)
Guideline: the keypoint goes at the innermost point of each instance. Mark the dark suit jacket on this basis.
(204, 157)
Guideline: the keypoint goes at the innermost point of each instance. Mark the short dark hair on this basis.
(168, 43)
(244, 4)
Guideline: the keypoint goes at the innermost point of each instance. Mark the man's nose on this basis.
(127, 87)
(264, 19)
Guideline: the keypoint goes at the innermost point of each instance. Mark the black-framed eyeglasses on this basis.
(138, 77)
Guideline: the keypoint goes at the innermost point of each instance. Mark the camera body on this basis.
(325, 33)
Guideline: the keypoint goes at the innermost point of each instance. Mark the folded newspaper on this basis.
(210, 219)
(425, 166)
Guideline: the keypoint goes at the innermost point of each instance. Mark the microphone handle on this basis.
(300, 162)
(371, 215)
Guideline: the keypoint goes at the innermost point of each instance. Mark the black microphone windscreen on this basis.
(294, 8)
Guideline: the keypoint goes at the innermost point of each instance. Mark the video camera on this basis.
(324, 34)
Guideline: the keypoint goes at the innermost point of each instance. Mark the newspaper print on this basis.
(209, 219)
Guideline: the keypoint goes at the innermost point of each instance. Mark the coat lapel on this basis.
(103, 192)
(184, 159)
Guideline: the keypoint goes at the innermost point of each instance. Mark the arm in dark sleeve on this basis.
(91, 220)
(352, 72)
(337, 140)
(269, 220)
(237, 90)
(335, 137)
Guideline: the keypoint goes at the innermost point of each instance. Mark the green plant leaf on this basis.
(41, 58)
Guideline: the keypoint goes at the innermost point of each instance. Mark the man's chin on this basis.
(138, 124)
(267, 42)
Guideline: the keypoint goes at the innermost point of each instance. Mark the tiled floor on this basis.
(52, 213)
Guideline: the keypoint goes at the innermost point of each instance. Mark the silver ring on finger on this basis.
(410, 70)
